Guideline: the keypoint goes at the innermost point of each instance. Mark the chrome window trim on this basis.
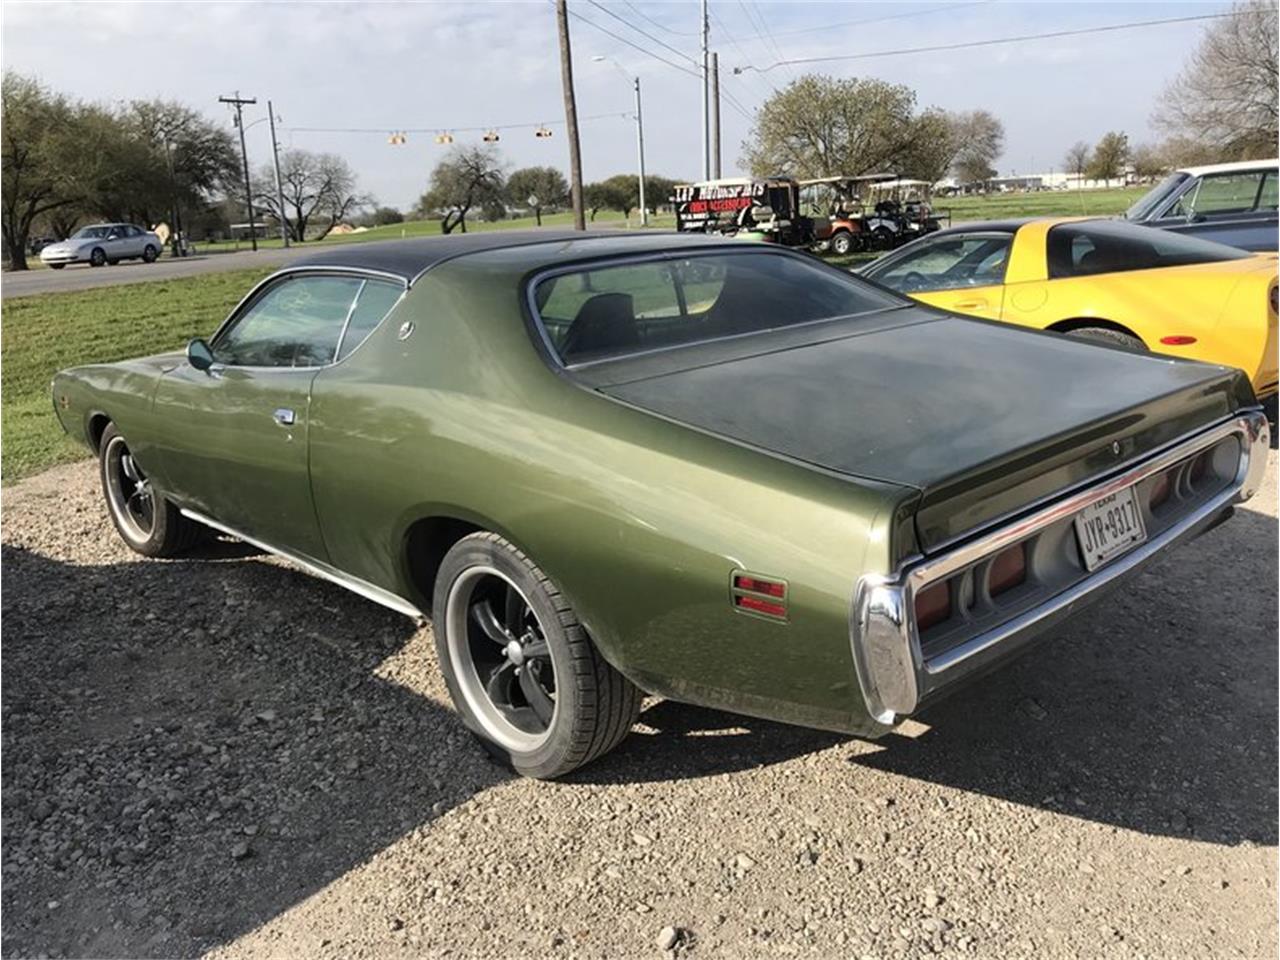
(288, 272)
(710, 249)
(346, 322)
(893, 675)
(318, 568)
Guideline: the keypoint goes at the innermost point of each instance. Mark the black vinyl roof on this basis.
(408, 258)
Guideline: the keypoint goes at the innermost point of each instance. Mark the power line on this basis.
(625, 22)
(448, 129)
(649, 53)
(761, 30)
(733, 41)
(661, 26)
(634, 46)
(984, 43)
(891, 16)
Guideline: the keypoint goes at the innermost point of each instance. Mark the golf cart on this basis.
(903, 211)
(835, 204)
(766, 209)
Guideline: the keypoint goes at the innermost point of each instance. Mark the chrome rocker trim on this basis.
(316, 568)
(893, 675)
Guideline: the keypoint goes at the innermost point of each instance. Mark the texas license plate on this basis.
(1108, 527)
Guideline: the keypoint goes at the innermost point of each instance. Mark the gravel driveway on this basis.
(220, 754)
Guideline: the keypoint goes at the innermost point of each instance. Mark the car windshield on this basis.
(1147, 203)
(1109, 246)
(617, 310)
(91, 233)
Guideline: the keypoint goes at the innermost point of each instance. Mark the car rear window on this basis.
(1109, 246)
(614, 310)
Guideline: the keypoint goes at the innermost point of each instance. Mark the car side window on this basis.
(1267, 197)
(1226, 193)
(373, 302)
(949, 263)
(296, 322)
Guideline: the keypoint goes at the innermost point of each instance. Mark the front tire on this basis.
(97, 257)
(523, 674)
(56, 266)
(842, 243)
(1106, 335)
(147, 522)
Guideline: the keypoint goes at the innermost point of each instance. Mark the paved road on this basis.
(84, 277)
(220, 753)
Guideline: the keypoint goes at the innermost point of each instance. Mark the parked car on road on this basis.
(103, 243)
(721, 473)
(1102, 280)
(1232, 203)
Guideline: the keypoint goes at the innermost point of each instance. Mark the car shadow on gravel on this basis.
(1154, 711)
(189, 752)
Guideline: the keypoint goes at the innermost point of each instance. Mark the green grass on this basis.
(47, 332)
(431, 228)
(1047, 203)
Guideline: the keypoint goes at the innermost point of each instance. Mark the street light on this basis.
(644, 214)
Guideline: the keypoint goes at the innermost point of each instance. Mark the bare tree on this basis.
(979, 140)
(468, 177)
(1226, 94)
(1077, 158)
(319, 192)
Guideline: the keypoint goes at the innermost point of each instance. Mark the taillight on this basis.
(1008, 569)
(1161, 487)
(933, 605)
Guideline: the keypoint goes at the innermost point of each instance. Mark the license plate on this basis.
(1109, 527)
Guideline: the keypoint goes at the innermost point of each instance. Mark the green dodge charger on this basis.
(606, 465)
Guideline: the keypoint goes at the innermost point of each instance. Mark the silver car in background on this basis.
(102, 243)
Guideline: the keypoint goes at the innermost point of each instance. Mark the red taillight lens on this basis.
(1161, 487)
(1177, 340)
(1008, 569)
(760, 605)
(933, 605)
(769, 587)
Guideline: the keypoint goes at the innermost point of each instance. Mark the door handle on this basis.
(283, 416)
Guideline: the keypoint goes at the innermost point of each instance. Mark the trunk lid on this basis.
(984, 419)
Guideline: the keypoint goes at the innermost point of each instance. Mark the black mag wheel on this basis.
(146, 521)
(524, 675)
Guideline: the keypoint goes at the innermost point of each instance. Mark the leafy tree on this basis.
(469, 176)
(821, 126)
(657, 190)
(979, 141)
(547, 184)
(1109, 156)
(1226, 95)
(319, 192)
(931, 150)
(595, 197)
(382, 216)
(1077, 158)
(38, 153)
(1149, 161)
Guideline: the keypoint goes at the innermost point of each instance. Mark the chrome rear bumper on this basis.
(897, 674)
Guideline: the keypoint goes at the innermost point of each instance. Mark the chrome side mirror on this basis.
(199, 355)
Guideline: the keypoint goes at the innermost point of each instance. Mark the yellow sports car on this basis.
(1106, 280)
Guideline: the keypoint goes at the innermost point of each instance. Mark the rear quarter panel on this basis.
(640, 522)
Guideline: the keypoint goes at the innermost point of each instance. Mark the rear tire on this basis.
(1106, 335)
(56, 266)
(503, 628)
(149, 253)
(147, 522)
(842, 243)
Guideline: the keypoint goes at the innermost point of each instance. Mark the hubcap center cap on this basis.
(515, 652)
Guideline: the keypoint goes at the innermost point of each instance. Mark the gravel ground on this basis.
(219, 754)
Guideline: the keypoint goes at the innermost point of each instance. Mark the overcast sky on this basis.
(448, 66)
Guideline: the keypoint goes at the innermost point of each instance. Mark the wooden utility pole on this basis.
(715, 115)
(570, 117)
(240, 104)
